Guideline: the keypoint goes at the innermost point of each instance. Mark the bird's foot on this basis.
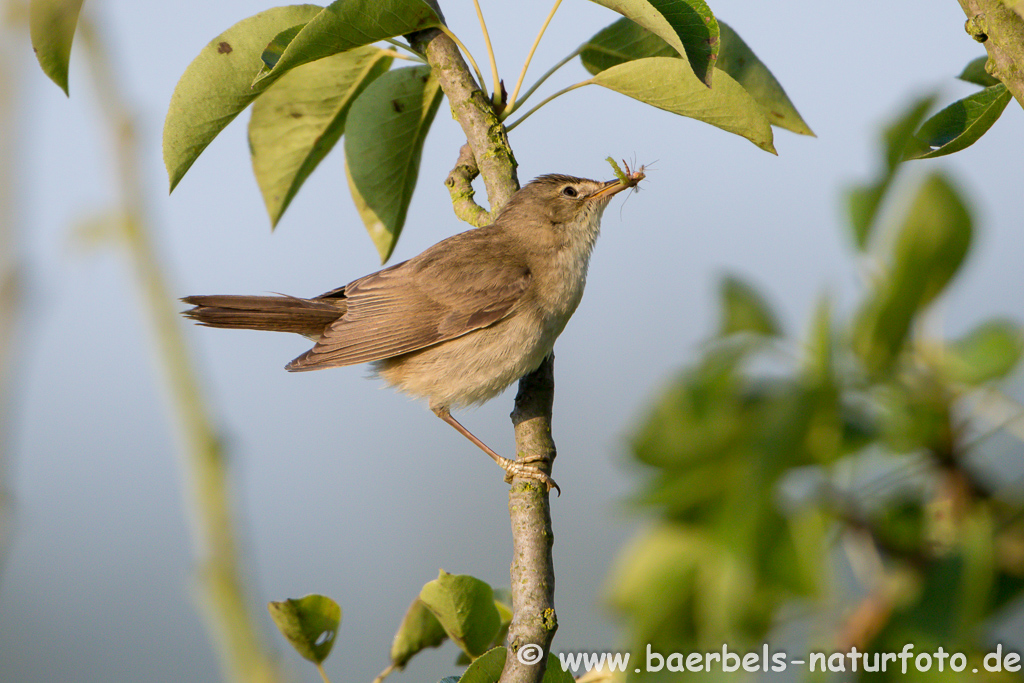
(517, 468)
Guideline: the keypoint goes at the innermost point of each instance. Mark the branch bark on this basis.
(532, 570)
(999, 26)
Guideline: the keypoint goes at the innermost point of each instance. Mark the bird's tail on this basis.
(308, 317)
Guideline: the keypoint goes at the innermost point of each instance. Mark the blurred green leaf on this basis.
(678, 587)
(217, 85)
(699, 416)
(625, 40)
(959, 125)
(899, 526)
(929, 249)
(310, 624)
(745, 310)
(819, 351)
(864, 200)
(419, 630)
(724, 558)
(989, 352)
(344, 25)
(464, 606)
(975, 73)
(384, 135)
(52, 26)
(687, 26)
(668, 84)
(296, 123)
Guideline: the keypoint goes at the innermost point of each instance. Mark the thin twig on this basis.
(543, 102)
(547, 74)
(490, 53)
(413, 55)
(529, 56)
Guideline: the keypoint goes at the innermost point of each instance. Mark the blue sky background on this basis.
(360, 493)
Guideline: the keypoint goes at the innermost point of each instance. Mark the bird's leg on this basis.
(513, 468)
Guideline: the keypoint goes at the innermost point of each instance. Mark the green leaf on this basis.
(464, 606)
(929, 249)
(745, 310)
(384, 137)
(217, 85)
(626, 40)
(503, 603)
(344, 25)
(419, 630)
(486, 668)
(668, 84)
(297, 122)
(959, 125)
(864, 200)
(740, 62)
(975, 73)
(688, 26)
(310, 624)
(988, 352)
(52, 27)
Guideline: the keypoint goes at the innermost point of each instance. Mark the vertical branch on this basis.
(243, 654)
(533, 583)
(10, 280)
(529, 507)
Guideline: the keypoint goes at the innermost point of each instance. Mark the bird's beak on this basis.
(611, 187)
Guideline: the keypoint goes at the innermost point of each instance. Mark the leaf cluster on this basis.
(314, 75)
(770, 453)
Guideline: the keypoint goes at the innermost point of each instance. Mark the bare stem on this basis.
(405, 48)
(533, 584)
(547, 74)
(388, 670)
(243, 654)
(529, 56)
(545, 101)
(490, 52)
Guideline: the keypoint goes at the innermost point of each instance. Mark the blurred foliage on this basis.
(832, 475)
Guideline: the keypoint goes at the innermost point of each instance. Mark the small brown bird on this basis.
(463, 320)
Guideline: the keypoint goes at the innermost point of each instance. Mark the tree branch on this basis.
(529, 506)
(488, 152)
(1001, 30)
(472, 109)
(460, 187)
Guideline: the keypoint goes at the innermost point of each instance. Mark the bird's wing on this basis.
(445, 292)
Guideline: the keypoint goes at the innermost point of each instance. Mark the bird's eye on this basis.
(569, 191)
